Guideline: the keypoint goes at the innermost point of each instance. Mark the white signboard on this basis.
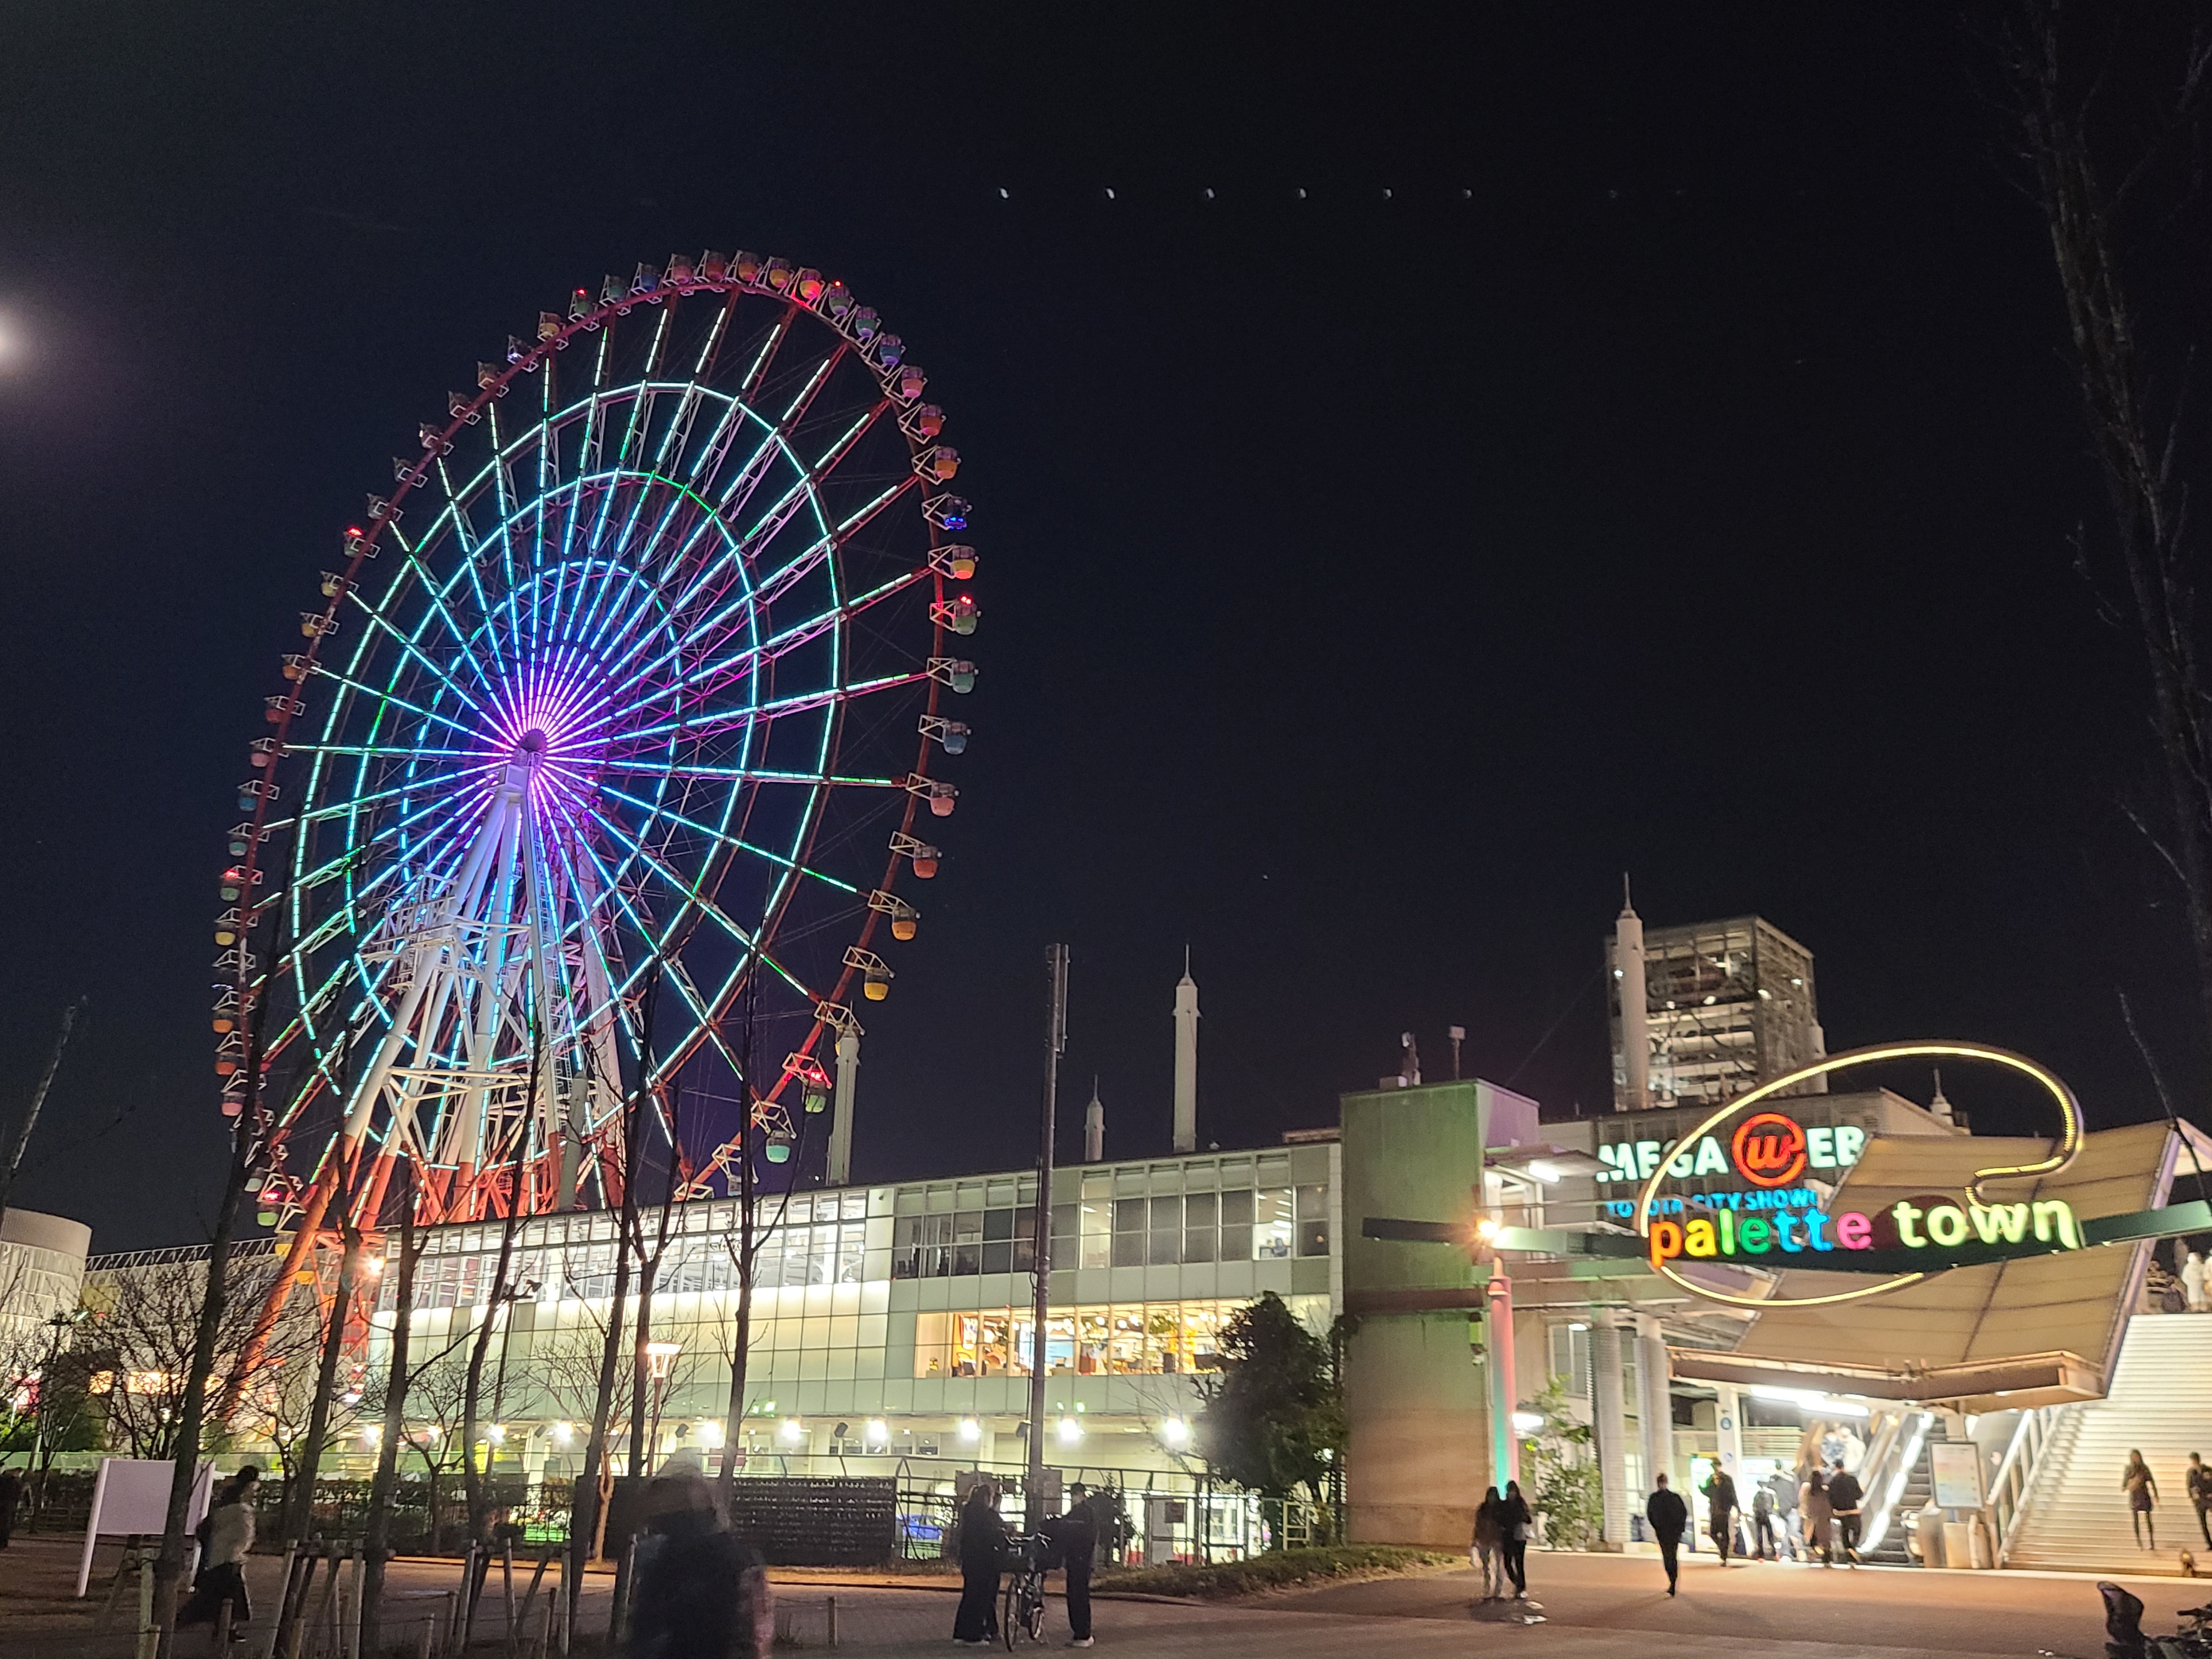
(130, 1497)
(1957, 1474)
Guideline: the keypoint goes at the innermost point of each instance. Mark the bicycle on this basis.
(1021, 1609)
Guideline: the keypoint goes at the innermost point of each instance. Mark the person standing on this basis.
(1845, 1497)
(2200, 1495)
(1487, 1552)
(1720, 1509)
(2193, 1282)
(703, 1592)
(1813, 1505)
(1075, 1534)
(11, 1494)
(1517, 1520)
(2141, 1489)
(982, 1549)
(1667, 1515)
(227, 1538)
(1762, 1523)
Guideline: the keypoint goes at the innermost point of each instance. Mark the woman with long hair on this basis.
(2141, 1488)
(1489, 1538)
(983, 1545)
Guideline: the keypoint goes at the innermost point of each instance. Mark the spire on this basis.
(1186, 1059)
(1627, 900)
(1940, 1106)
(1094, 1126)
(1633, 1026)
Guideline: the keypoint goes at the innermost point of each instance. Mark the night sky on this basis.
(1671, 473)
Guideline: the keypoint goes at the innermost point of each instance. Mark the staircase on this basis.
(2075, 1517)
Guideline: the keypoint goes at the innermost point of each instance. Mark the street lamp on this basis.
(660, 1359)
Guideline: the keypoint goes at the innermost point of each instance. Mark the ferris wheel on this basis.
(621, 718)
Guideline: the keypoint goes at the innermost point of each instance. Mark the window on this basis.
(1198, 1210)
(1128, 1232)
(1237, 1225)
(1166, 1247)
(1313, 1220)
(1273, 1221)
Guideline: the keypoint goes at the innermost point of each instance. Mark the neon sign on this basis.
(1769, 1150)
(1769, 1135)
(1905, 1225)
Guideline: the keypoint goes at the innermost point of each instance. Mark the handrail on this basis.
(2012, 1489)
(1885, 1506)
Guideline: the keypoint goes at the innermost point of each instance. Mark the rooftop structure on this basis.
(1727, 1006)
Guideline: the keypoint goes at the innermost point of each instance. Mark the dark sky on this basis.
(1671, 474)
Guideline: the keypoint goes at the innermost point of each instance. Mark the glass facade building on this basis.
(895, 1321)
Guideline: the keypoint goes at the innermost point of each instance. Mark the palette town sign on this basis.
(1770, 1150)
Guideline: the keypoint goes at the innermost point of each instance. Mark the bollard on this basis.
(422, 1648)
(149, 1637)
(833, 1621)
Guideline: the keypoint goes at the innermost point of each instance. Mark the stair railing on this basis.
(2012, 1488)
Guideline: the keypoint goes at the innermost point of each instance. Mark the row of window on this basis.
(829, 1253)
(1170, 1229)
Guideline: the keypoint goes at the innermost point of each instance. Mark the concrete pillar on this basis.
(1728, 1418)
(1612, 1426)
(1504, 1442)
(1658, 1405)
(840, 1172)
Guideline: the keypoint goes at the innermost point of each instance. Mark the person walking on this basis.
(1518, 1521)
(226, 1540)
(11, 1494)
(1813, 1506)
(1487, 1552)
(2200, 1495)
(1075, 1536)
(703, 1592)
(1667, 1515)
(2141, 1488)
(2193, 1282)
(1720, 1509)
(1845, 1497)
(982, 1550)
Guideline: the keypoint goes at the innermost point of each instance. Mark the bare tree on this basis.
(497, 1304)
(2107, 102)
(376, 1544)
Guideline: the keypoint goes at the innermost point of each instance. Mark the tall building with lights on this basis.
(1727, 1006)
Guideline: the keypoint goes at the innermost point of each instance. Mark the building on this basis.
(42, 1263)
(1727, 1006)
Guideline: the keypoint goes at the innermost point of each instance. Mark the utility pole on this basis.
(1056, 1041)
(37, 1100)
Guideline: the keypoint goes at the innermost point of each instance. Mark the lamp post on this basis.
(660, 1359)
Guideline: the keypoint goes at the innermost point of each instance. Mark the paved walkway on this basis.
(1591, 1608)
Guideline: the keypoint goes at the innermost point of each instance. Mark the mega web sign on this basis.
(1773, 1222)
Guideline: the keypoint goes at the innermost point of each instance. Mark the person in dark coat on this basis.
(983, 1553)
(1517, 1520)
(1669, 1516)
(703, 1592)
(1845, 1497)
(1074, 1538)
(11, 1494)
(1720, 1511)
(1762, 1523)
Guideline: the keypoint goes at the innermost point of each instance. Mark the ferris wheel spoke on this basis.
(395, 700)
(777, 335)
(378, 619)
(752, 775)
(728, 840)
(799, 702)
(456, 515)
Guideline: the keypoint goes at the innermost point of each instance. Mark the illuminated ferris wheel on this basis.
(621, 718)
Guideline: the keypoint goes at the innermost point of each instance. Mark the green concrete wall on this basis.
(1419, 1455)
